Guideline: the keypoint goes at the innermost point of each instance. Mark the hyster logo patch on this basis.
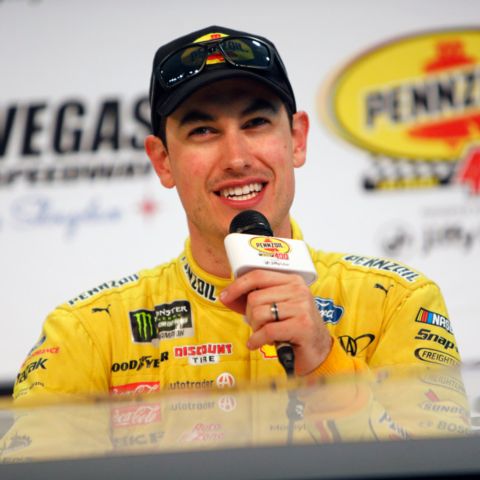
(166, 321)
(432, 318)
(330, 312)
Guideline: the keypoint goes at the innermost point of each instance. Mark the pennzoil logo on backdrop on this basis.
(414, 104)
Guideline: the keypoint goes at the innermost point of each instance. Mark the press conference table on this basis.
(416, 423)
(440, 458)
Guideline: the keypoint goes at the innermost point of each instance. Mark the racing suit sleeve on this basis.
(65, 360)
(411, 326)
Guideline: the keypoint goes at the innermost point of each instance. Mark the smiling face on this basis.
(230, 148)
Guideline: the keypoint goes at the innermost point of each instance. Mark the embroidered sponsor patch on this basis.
(204, 353)
(202, 287)
(432, 355)
(432, 318)
(103, 287)
(353, 346)
(165, 321)
(135, 388)
(385, 265)
(330, 312)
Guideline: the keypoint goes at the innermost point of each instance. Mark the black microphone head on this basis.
(251, 222)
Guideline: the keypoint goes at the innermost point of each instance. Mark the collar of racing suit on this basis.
(206, 285)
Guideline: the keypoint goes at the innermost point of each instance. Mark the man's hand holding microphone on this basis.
(271, 290)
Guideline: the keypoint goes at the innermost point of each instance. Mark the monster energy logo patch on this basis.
(174, 320)
(143, 325)
(165, 321)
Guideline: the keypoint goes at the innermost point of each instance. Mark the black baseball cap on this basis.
(165, 97)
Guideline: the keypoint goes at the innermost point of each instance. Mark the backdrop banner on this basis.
(393, 169)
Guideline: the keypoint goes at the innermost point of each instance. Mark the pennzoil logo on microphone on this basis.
(271, 247)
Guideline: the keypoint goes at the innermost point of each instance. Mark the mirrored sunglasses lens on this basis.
(182, 65)
(247, 52)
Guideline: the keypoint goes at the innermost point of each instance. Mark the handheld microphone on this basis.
(251, 244)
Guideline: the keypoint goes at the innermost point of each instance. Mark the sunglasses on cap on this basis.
(189, 60)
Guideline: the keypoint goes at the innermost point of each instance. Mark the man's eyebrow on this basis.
(193, 116)
(261, 104)
(258, 104)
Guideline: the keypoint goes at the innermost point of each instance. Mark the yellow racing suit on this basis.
(166, 329)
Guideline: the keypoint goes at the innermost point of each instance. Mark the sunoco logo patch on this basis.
(413, 102)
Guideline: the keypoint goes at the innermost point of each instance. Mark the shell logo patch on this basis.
(269, 351)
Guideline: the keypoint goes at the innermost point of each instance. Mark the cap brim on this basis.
(183, 91)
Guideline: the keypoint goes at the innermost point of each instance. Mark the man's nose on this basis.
(236, 153)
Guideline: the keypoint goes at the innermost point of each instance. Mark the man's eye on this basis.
(200, 131)
(256, 122)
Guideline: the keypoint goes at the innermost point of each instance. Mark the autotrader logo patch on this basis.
(166, 321)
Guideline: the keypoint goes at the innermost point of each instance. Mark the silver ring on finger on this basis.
(274, 310)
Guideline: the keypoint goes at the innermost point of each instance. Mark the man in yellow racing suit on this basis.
(166, 328)
(228, 136)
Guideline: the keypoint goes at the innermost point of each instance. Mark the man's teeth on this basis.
(242, 193)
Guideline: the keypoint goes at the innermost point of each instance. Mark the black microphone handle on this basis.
(255, 223)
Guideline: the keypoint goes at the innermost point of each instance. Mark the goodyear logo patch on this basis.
(432, 318)
(330, 312)
(384, 265)
(414, 100)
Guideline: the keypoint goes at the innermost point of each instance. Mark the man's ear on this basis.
(160, 159)
(300, 128)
